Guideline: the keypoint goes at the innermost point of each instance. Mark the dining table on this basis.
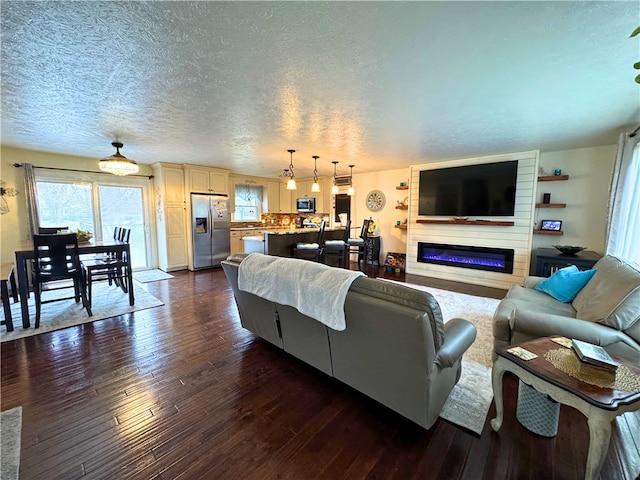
(92, 247)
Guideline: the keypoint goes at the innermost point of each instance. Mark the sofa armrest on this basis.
(459, 334)
(535, 324)
(531, 281)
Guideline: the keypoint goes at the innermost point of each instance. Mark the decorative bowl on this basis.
(568, 249)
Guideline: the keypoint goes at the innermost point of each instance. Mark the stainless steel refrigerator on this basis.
(210, 224)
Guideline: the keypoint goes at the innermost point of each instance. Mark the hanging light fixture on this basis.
(316, 186)
(117, 163)
(334, 189)
(351, 192)
(291, 183)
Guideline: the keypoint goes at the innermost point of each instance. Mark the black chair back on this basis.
(320, 239)
(347, 230)
(56, 257)
(51, 230)
(124, 235)
(364, 233)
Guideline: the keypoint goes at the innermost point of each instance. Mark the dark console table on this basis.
(549, 260)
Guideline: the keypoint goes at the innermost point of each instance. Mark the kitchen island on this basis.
(280, 243)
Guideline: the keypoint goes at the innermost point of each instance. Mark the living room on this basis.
(177, 387)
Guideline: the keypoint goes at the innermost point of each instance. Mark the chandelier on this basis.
(117, 163)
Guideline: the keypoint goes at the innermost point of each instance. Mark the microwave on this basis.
(306, 205)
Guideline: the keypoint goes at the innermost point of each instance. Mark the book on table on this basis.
(594, 355)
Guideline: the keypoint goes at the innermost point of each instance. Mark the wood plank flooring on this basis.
(182, 391)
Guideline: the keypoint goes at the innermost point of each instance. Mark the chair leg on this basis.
(13, 285)
(4, 292)
(38, 300)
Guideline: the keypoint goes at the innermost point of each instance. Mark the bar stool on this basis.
(339, 248)
(359, 245)
(311, 251)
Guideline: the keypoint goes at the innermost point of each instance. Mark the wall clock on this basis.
(375, 200)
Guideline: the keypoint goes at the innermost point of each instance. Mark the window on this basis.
(97, 203)
(248, 199)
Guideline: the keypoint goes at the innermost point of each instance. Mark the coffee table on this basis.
(599, 404)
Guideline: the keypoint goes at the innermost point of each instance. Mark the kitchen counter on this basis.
(281, 243)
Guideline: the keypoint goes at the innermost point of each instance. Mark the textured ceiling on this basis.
(381, 85)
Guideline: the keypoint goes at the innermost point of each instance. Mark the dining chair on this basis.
(358, 245)
(112, 267)
(339, 249)
(51, 230)
(55, 258)
(311, 251)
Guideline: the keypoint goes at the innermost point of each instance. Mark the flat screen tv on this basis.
(488, 189)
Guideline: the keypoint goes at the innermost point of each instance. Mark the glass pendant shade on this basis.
(351, 192)
(315, 187)
(335, 190)
(291, 184)
(118, 164)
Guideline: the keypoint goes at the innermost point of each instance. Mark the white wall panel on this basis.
(516, 237)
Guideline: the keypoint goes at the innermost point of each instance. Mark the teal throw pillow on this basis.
(565, 284)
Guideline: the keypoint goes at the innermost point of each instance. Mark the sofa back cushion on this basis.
(612, 296)
(407, 297)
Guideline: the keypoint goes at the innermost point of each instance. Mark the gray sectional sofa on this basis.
(605, 312)
(395, 347)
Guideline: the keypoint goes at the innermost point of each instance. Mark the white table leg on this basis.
(497, 373)
(599, 436)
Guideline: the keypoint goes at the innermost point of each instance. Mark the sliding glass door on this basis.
(97, 205)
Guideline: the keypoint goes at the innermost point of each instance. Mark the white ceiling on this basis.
(381, 85)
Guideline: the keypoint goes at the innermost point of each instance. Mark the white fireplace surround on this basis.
(517, 237)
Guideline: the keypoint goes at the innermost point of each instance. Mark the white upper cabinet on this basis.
(207, 180)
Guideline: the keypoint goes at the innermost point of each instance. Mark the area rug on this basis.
(108, 301)
(146, 276)
(470, 399)
(10, 433)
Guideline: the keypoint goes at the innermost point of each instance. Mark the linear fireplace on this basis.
(465, 256)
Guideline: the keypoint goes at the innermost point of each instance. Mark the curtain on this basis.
(31, 197)
(623, 223)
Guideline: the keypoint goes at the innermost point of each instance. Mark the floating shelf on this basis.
(402, 207)
(492, 223)
(404, 187)
(401, 227)
(546, 232)
(551, 205)
(553, 178)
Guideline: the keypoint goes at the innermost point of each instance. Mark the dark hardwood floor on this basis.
(182, 391)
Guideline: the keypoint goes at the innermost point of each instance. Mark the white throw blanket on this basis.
(314, 289)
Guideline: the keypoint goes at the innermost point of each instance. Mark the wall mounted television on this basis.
(488, 189)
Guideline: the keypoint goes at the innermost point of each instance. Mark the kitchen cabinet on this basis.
(273, 197)
(207, 180)
(171, 216)
(287, 199)
(237, 244)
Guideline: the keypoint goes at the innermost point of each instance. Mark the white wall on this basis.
(586, 194)
(392, 239)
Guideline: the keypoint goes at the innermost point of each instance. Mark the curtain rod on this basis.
(19, 165)
(633, 134)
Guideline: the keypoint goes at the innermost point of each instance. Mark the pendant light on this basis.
(351, 192)
(118, 164)
(291, 183)
(334, 189)
(316, 186)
